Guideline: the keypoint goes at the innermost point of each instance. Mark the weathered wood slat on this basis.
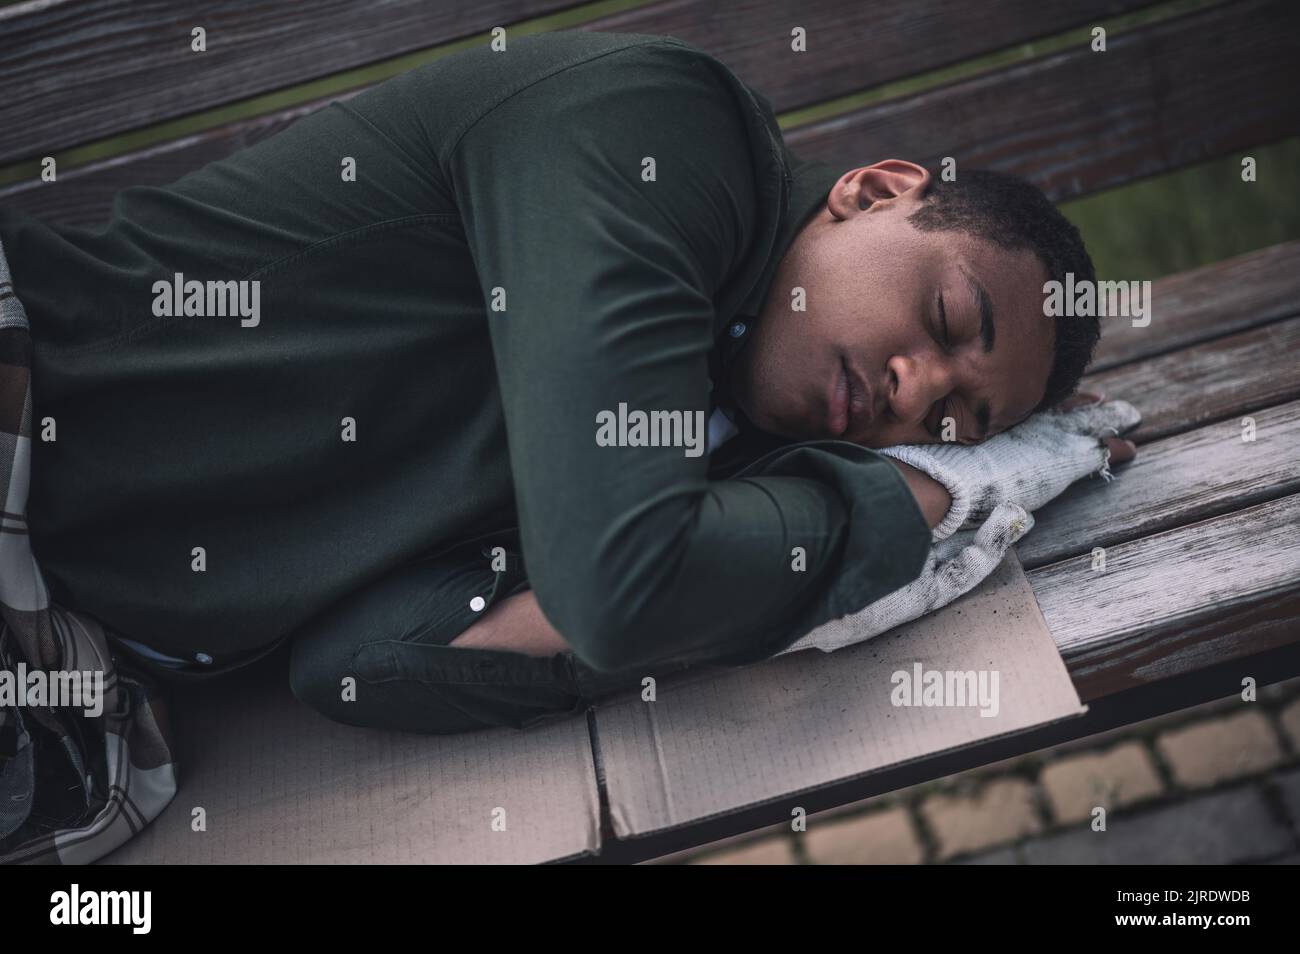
(1218, 637)
(92, 68)
(1172, 482)
(96, 67)
(1205, 303)
(853, 46)
(1231, 73)
(1177, 601)
(1209, 381)
(1157, 99)
(84, 196)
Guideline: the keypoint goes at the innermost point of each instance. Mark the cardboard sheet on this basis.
(280, 783)
(768, 731)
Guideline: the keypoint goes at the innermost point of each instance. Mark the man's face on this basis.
(898, 325)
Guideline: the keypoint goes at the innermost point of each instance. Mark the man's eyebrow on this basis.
(987, 329)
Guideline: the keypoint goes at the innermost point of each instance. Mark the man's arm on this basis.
(931, 496)
(518, 624)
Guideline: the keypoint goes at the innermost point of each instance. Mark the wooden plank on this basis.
(1159, 98)
(1207, 382)
(1177, 601)
(1204, 303)
(89, 69)
(1024, 119)
(1172, 482)
(854, 46)
(84, 196)
(96, 67)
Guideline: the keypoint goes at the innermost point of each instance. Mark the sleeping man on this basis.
(403, 464)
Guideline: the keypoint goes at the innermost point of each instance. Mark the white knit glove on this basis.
(953, 567)
(1028, 464)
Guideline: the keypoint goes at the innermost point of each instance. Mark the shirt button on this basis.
(203, 658)
(737, 329)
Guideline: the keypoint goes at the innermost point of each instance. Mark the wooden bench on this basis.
(1203, 523)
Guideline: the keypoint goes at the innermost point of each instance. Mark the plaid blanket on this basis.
(74, 783)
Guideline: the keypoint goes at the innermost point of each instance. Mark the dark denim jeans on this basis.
(381, 658)
(392, 639)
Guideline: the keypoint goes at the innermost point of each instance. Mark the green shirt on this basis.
(502, 270)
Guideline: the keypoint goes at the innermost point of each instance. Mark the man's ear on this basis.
(877, 185)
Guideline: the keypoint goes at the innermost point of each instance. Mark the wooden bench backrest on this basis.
(1162, 96)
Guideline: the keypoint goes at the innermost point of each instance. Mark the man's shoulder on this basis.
(584, 77)
(575, 46)
(542, 54)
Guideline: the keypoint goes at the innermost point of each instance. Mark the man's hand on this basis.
(515, 624)
(955, 566)
(1121, 451)
(1009, 475)
(1028, 465)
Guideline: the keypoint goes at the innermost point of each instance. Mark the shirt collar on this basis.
(810, 183)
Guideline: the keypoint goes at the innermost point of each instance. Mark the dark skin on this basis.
(895, 339)
(903, 308)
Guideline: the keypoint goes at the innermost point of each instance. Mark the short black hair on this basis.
(1012, 213)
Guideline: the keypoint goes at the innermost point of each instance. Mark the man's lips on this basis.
(849, 405)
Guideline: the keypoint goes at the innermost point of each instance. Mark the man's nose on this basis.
(915, 383)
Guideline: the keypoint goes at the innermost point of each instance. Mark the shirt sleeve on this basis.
(598, 283)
